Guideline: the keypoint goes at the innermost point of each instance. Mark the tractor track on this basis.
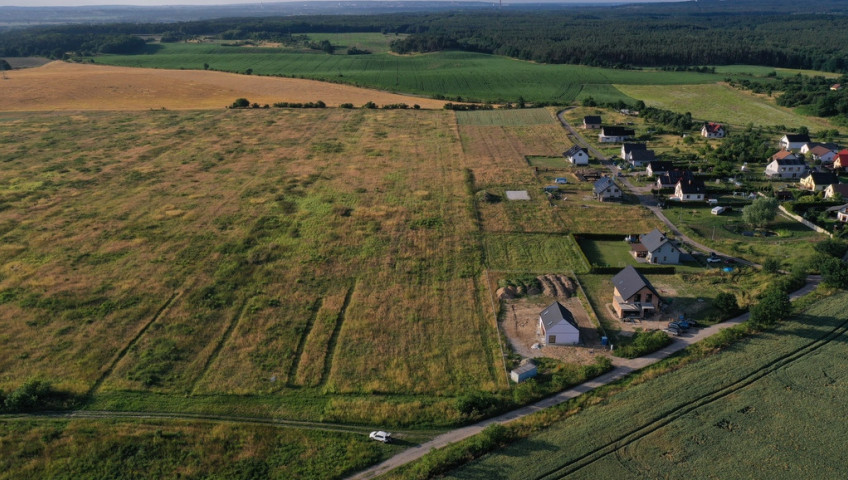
(638, 433)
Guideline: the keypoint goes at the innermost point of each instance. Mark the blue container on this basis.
(728, 269)
(604, 341)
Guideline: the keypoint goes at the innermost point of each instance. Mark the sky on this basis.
(71, 3)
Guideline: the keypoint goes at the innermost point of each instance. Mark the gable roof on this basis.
(574, 151)
(820, 150)
(653, 240)
(592, 120)
(691, 185)
(792, 161)
(840, 188)
(631, 147)
(713, 127)
(556, 313)
(823, 178)
(782, 155)
(617, 132)
(660, 166)
(642, 155)
(602, 184)
(797, 138)
(630, 281)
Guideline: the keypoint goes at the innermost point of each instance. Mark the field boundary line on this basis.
(310, 324)
(333, 342)
(220, 345)
(676, 413)
(123, 352)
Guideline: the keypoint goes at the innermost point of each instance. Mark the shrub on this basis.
(772, 307)
(643, 343)
(346, 105)
(240, 103)
(726, 303)
(478, 403)
(832, 247)
(32, 395)
(771, 265)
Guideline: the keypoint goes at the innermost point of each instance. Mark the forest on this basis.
(685, 34)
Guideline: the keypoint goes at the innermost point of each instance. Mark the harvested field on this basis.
(69, 86)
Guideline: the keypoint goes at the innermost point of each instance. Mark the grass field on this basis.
(506, 118)
(721, 103)
(235, 253)
(784, 384)
(449, 74)
(89, 449)
(533, 253)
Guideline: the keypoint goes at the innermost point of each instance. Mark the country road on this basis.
(644, 194)
(621, 368)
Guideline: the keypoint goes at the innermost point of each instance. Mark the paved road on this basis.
(621, 368)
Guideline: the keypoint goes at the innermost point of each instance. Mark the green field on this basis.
(533, 253)
(721, 103)
(765, 407)
(506, 118)
(447, 74)
(615, 253)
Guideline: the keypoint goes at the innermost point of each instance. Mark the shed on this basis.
(561, 180)
(551, 188)
(517, 195)
(523, 372)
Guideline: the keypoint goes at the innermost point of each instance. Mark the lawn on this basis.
(614, 253)
(780, 385)
(506, 118)
(721, 103)
(163, 258)
(538, 253)
(788, 240)
(452, 75)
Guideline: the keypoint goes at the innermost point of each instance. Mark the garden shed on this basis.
(523, 372)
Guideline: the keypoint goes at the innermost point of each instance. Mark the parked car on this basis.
(381, 436)
(713, 258)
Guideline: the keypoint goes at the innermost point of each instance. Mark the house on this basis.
(689, 190)
(840, 161)
(789, 167)
(836, 86)
(712, 130)
(783, 155)
(577, 155)
(557, 326)
(842, 214)
(794, 142)
(658, 167)
(836, 188)
(605, 189)
(820, 153)
(633, 295)
(818, 181)
(655, 247)
(591, 121)
(615, 134)
(670, 178)
(640, 158)
(525, 371)
(628, 148)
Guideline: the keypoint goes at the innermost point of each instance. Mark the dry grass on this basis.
(60, 86)
(256, 222)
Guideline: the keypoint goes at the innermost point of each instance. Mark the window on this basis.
(551, 338)
(648, 297)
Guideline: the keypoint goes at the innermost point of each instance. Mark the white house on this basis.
(658, 167)
(557, 326)
(838, 188)
(640, 158)
(842, 214)
(615, 134)
(605, 189)
(789, 166)
(820, 153)
(655, 247)
(627, 150)
(794, 142)
(577, 155)
(689, 190)
(712, 130)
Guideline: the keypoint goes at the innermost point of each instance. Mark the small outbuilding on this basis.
(558, 326)
(523, 372)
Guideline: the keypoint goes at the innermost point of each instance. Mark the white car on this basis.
(713, 258)
(381, 436)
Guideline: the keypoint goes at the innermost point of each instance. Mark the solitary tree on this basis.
(773, 306)
(759, 213)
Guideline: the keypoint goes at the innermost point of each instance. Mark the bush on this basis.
(772, 307)
(33, 395)
(727, 304)
(832, 247)
(346, 105)
(478, 403)
(834, 272)
(643, 343)
(771, 265)
(240, 103)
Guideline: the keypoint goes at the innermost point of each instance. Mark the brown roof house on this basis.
(633, 295)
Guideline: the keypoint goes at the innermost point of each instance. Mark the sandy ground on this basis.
(521, 324)
(70, 86)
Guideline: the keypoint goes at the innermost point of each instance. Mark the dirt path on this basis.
(622, 368)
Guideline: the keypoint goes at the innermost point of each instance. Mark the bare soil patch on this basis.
(521, 324)
(69, 86)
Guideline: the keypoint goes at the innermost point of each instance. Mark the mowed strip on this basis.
(70, 86)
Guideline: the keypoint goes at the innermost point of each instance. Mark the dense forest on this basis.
(779, 33)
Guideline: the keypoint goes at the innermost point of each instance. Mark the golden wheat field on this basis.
(61, 86)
